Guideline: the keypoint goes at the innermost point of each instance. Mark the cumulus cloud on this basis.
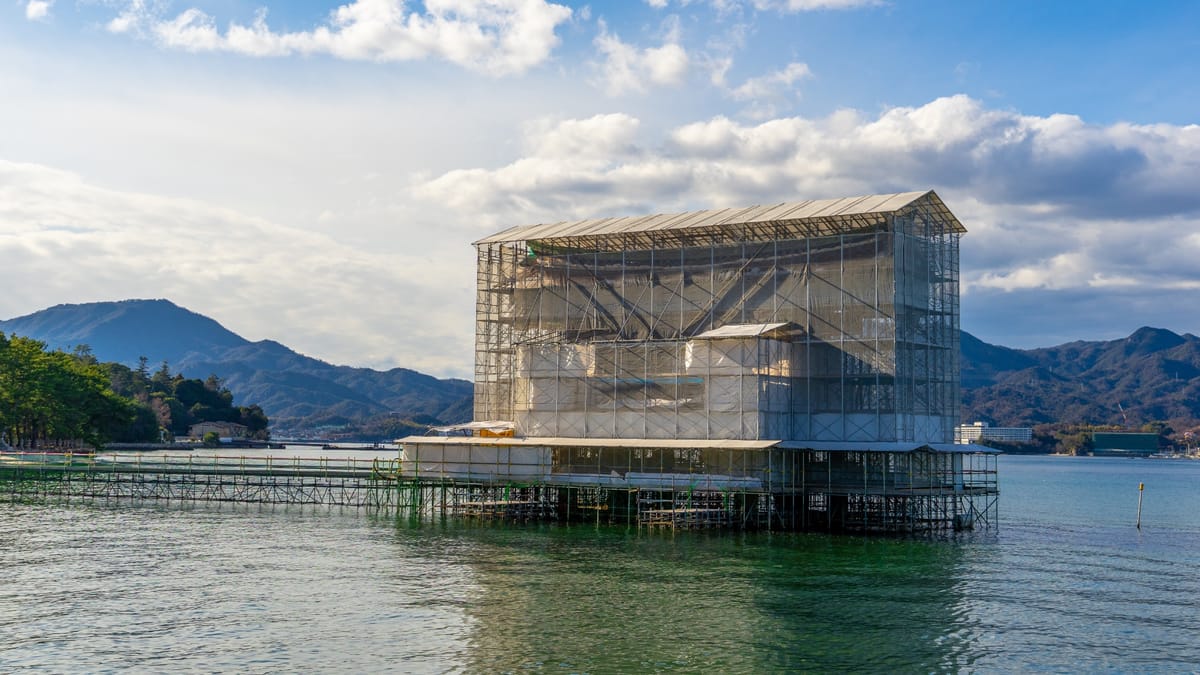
(499, 37)
(599, 136)
(765, 93)
(788, 6)
(769, 85)
(38, 10)
(1053, 203)
(626, 68)
(812, 5)
(565, 159)
(62, 237)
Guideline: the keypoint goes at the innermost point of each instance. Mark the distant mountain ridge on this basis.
(297, 392)
(1154, 374)
(124, 330)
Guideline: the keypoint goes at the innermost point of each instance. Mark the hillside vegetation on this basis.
(49, 398)
(301, 395)
(1150, 379)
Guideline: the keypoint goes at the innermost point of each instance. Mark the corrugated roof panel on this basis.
(676, 221)
(645, 223)
(899, 201)
(862, 205)
(635, 224)
(789, 211)
(793, 210)
(698, 219)
(503, 235)
(754, 214)
(779, 211)
(535, 231)
(581, 227)
(837, 207)
(673, 220)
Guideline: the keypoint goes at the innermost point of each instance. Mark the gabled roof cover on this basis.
(817, 217)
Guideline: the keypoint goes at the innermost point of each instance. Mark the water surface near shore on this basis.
(1068, 583)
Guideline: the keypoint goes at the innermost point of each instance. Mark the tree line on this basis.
(52, 397)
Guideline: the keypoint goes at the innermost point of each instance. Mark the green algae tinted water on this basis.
(1068, 584)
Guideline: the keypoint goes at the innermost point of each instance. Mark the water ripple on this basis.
(1067, 585)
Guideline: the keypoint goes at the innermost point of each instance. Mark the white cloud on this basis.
(38, 10)
(130, 19)
(787, 6)
(772, 84)
(726, 7)
(626, 68)
(499, 37)
(718, 69)
(260, 279)
(765, 94)
(1066, 220)
(564, 158)
(1052, 202)
(601, 136)
(812, 5)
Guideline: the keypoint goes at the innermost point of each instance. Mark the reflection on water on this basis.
(1068, 584)
(618, 601)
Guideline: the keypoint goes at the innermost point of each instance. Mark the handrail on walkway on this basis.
(194, 463)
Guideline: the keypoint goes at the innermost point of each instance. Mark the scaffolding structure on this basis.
(691, 484)
(827, 326)
(200, 478)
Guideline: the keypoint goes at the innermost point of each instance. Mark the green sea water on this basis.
(1067, 584)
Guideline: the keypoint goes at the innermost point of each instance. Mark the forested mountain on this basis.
(124, 331)
(1152, 375)
(297, 392)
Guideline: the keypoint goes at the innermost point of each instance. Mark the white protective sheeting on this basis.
(743, 330)
(474, 461)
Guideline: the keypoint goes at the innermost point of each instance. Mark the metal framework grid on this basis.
(913, 489)
(807, 323)
(188, 478)
(600, 336)
(681, 488)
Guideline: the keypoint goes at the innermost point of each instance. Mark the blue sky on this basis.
(314, 172)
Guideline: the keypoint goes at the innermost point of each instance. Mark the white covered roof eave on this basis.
(562, 442)
(825, 216)
(687, 443)
(886, 446)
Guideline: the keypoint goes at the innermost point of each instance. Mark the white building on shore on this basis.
(982, 431)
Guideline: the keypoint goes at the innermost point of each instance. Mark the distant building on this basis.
(982, 431)
(1124, 444)
(222, 429)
